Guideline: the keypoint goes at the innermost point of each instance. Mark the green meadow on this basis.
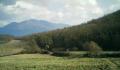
(13, 57)
(47, 62)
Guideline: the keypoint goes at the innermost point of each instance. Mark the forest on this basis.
(98, 34)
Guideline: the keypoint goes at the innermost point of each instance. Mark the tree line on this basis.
(102, 33)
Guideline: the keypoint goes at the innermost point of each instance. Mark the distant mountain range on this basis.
(29, 27)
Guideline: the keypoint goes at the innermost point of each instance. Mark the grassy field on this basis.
(47, 62)
(76, 60)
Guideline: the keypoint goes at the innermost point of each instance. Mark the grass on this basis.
(116, 61)
(16, 47)
(12, 47)
(75, 61)
(47, 62)
(2, 42)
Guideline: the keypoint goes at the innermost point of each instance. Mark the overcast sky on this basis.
(71, 12)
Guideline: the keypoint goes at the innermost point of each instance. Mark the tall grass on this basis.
(47, 62)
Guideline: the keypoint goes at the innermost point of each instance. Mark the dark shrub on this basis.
(93, 49)
(60, 53)
(44, 51)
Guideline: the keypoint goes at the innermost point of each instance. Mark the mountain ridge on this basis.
(104, 31)
(29, 27)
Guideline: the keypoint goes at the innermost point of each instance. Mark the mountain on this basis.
(29, 27)
(103, 33)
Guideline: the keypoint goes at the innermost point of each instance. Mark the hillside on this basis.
(104, 32)
(29, 27)
(5, 38)
(17, 46)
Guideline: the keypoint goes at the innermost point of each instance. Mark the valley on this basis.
(90, 46)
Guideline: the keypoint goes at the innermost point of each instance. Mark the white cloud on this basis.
(60, 11)
(114, 7)
(93, 2)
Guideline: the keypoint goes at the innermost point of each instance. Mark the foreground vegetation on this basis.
(13, 57)
(17, 47)
(47, 62)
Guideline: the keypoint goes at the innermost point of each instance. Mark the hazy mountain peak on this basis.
(29, 26)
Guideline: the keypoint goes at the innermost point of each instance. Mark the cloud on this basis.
(24, 10)
(7, 2)
(59, 11)
(109, 6)
(3, 23)
(5, 17)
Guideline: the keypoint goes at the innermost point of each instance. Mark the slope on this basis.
(104, 31)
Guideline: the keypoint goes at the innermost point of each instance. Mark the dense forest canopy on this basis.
(105, 32)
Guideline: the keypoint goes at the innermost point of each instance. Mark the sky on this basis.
(72, 12)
